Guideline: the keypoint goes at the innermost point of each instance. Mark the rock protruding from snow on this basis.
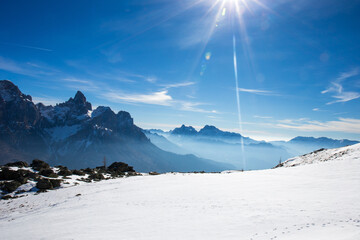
(323, 155)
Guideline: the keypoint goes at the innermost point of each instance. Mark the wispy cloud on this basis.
(46, 100)
(349, 74)
(82, 84)
(262, 117)
(176, 85)
(337, 88)
(160, 97)
(157, 98)
(348, 125)
(26, 46)
(193, 107)
(28, 69)
(151, 79)
(257, 91)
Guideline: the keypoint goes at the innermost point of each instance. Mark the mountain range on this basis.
(229, 147)
(77, 136)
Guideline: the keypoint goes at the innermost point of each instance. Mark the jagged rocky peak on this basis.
(212, 131)
(184, 130)
(209, 129)
(15, 107)
(10, 92)
(124, 118)
(104, 116)
(101, 110)
(79, 98)
(79, 101)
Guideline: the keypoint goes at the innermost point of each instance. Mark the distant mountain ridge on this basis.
(242, 152)
(323, 140)
(209, 132)
(213, 132)
(75, 135)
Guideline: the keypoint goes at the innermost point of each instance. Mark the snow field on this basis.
(314, 201)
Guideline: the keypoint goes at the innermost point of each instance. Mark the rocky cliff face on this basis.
(75, 135)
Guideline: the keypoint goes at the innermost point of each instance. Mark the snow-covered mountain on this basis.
(75, 135)
(301, 145)
(309, 201)
(229, 147)
(222, 146)
(210, 133)
(322, 155)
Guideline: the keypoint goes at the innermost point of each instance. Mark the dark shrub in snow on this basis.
(28, 174)
(120, 167)
(55, 182)
(44, 183)
(65, 172)
(17, 164)
(96, 176)
(48, 172)
(7, 174)
(78, 172)
(38, 164)
(11, 186)
(88, 170)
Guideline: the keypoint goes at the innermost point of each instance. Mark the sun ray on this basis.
(238, 101)
(207, 38)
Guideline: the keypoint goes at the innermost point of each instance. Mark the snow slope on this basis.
(322, 155)
(312, 201)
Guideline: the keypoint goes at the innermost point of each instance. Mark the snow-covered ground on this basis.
(311, 201)
(323, 155)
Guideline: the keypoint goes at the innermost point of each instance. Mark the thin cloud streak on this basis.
(348, 125)
(337, 88)
(27, 69)
(26, 46)
(257, 91)
(157, 98)
(262, 117)
(176, 85)
(160, 97)
(82, 84)
(46, 100)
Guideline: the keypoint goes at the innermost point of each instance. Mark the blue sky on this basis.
(170, 62)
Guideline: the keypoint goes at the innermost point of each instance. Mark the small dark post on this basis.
(104, 162)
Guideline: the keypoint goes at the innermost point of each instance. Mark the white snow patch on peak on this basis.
(323, 155)
(63, 132)
(89, 113)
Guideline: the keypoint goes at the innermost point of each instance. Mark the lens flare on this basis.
(208, 56)
(235, 9)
